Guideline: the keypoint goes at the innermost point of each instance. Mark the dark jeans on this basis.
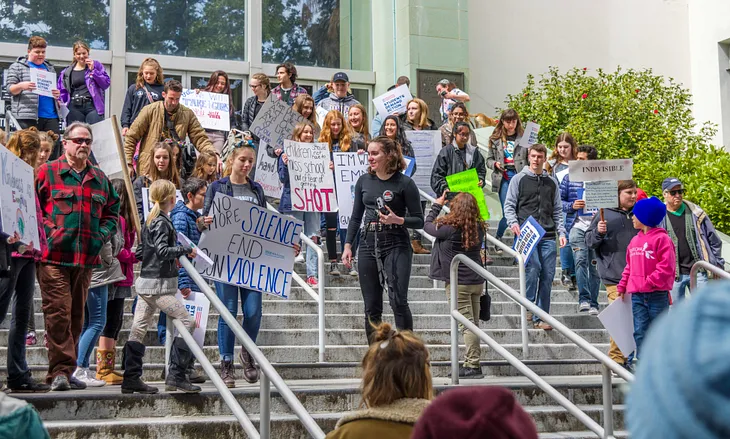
(416, 235)
(330, 219)
(646, 308)
(85, 112)
(21, 283)
(43, 124)
(390, 259)
(114, 318)
(502, 227)
(251, 306)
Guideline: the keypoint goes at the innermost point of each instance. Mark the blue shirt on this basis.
(46, 105)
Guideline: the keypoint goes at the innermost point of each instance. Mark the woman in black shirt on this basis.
(82, 86)
(388, 203)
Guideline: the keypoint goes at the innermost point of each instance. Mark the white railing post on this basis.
(265, 404)
(707, 266)
(453, 292)
(320, 297)
(607, 402)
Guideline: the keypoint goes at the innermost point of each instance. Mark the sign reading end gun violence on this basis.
(250, 246)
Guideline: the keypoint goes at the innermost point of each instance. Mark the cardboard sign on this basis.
(105, 148)
(468, 181)
(394, 101)
(17, 198)
(311, 181)
(198, 306)
(211, 109)
(600, 194)
(250, 246)
(595, 170)
(275, 122)
(45, 82)
(426, 146)
(267, 172)
(530, 235)
(530, 135)
(618, 319)
(348, 169)
(147, 205)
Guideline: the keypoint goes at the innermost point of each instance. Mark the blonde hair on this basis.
(345, 137)
(296, 135)
(79, 45)
(26, 144)
(396, 366)
(160, 193)
(422, 121)
(150, 62)
(263, 80)
(364, 126)
(234, 155)
(3, 137)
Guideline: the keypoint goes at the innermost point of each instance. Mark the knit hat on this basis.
(474, 413)
(650, 211)
(682, 385)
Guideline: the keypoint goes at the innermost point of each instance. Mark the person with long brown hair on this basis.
(82, 86)
(304, 105)
(461, 231)
(396, 387)
(566, 149)
(147, 89)
(206, 167)
(221, 84)
(459, 113)
(160, 167)
(357, 118)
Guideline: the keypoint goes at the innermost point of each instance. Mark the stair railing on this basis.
(707, 266)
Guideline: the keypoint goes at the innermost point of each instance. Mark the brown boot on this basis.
(250, 372)
(418, 248)
(105, 367)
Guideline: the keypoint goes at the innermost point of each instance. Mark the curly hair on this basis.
(26, 144)
(465, 216)
(345, 136)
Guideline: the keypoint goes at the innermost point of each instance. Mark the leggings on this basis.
(330, 219)
(146, 307)
(387, 264)
(114, 318)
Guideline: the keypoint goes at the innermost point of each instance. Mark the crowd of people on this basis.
(84, 261)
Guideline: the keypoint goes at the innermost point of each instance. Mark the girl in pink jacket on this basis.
(650, 265)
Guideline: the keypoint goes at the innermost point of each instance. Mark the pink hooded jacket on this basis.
(650, 263)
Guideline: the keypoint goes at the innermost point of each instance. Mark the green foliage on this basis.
(633, 114)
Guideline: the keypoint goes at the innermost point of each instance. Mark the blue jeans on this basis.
(311, 229)
(567, 266)
(94, 322)
(646, 307)
(539, 273)
(682, 285)
(251, 305)
(585, 268)
(502, 197)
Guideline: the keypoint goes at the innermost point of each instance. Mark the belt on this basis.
(81, 99)
(378, 227)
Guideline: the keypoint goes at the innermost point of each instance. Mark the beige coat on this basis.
(393, 421)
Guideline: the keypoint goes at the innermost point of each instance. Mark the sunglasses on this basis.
(676, 192)
(81, 140)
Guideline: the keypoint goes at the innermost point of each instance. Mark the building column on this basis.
(118, 47)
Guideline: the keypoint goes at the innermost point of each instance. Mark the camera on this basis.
(381, 206)
(443, 93)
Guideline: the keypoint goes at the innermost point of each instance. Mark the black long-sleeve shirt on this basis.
(399, 193)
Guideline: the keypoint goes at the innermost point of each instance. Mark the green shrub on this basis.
(633, 114)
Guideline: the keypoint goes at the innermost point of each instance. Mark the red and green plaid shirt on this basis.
(79, 215)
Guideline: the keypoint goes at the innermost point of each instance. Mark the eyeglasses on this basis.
(81, 140)
(254, 86)
(676, 192)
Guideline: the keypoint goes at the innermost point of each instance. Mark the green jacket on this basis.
(393, 421)
(18, 419)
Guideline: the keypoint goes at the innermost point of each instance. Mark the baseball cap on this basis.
(444, 82)
(340, 76)
(671, 182)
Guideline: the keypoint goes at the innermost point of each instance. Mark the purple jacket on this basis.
(97, 80)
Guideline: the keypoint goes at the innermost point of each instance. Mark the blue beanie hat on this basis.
(650, 211)
(682, 386)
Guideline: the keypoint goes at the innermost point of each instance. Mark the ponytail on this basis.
(160, 193)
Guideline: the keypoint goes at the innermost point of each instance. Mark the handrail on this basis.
(523, 279)
(707, 266)
(608, 364)
(267, 370)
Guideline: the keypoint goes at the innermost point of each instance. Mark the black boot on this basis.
(180, 358)
(193, 375)
(133, 353)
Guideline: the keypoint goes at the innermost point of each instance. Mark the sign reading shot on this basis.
(250, 246)
(211, 109)
(312, 183)
(17, 198)
(348, 168)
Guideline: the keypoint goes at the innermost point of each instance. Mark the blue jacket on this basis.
(183, 218)
(285, 201)
(568, 194)
(224, 186)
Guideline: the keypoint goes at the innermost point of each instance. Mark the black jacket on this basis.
(451, 160)
(611, 247)
(448, 244)
(158, 249)
(136, 99)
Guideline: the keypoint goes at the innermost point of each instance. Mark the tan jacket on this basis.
(393, 421)
(148, 128)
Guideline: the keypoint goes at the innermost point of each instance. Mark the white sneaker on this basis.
(593, 311)
(299, 258)
(85, 376)
(584, 306)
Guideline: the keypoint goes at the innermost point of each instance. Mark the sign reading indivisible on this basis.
(426, 146)
(267, 172)
(595, 170)
(45, 82)
(198, 306)
(348, 169)
(147, 204)
(530, 234)
(312, 183)
(211, 109)
(275, 122)
(468, 181)
(600, 194)
(251, 246)
(394, 101)
(17, 198)
(532, 129)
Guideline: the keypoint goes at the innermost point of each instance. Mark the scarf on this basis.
(690, 236)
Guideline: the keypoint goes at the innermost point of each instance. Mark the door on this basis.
(426, 89)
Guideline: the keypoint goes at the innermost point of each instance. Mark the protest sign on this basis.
(618, 319)
(410, 164)
(251, 246)
(348, 169)
(394, 101)
(600, 194)
(198, 306)
(595, 170)
(105, 148)
(426, 146)
(201, 258)
(321, 113)
(275, 122)
(530, 136)
(586, 211)
(530, 234)
(468, 181)
(211, 109)
(312, 183)
(267, 172)
(147, 205)
(17, 198)
(45, 82)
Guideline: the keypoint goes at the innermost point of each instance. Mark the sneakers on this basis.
(496, 250)
(334, 271)
(250, 372)
(593, 311)
(29, 386)
(353, 269)
(299, 258)
(227, 374)
(544, 326)
(60, 384)
(474, 373)
(565, 280)
(84, 375)
(312, 281)
(584, 306)
(31, 339)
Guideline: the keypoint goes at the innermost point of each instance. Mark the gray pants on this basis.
(146, 307)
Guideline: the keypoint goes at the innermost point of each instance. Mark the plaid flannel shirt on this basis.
(296, 90)
(78, 216)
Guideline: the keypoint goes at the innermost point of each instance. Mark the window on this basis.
(194, 28)
(61, 23)
(237, 86)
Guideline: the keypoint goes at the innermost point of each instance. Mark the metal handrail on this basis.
(268, 373)
(608, 365)
(707, 266)
(522, 276)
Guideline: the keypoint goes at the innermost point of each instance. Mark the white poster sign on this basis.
(348, 168)
(394, 101)
(595, 170)
(201, 259)
(105, 147)
(251, 246)
(532, 129)
(198, 306)
(17, 198)
(275, 122)
(530, 235)
(147, 205)
(311, 180)
(211, 109)
(600, 194)
(267, 172)
(45, 82)
(618, 319)
(426, 146)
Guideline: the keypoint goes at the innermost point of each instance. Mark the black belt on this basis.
(79, 100)
(378, 227)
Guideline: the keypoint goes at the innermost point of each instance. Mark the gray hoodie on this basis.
(340, 104)
(538, 196)
(24, 105)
